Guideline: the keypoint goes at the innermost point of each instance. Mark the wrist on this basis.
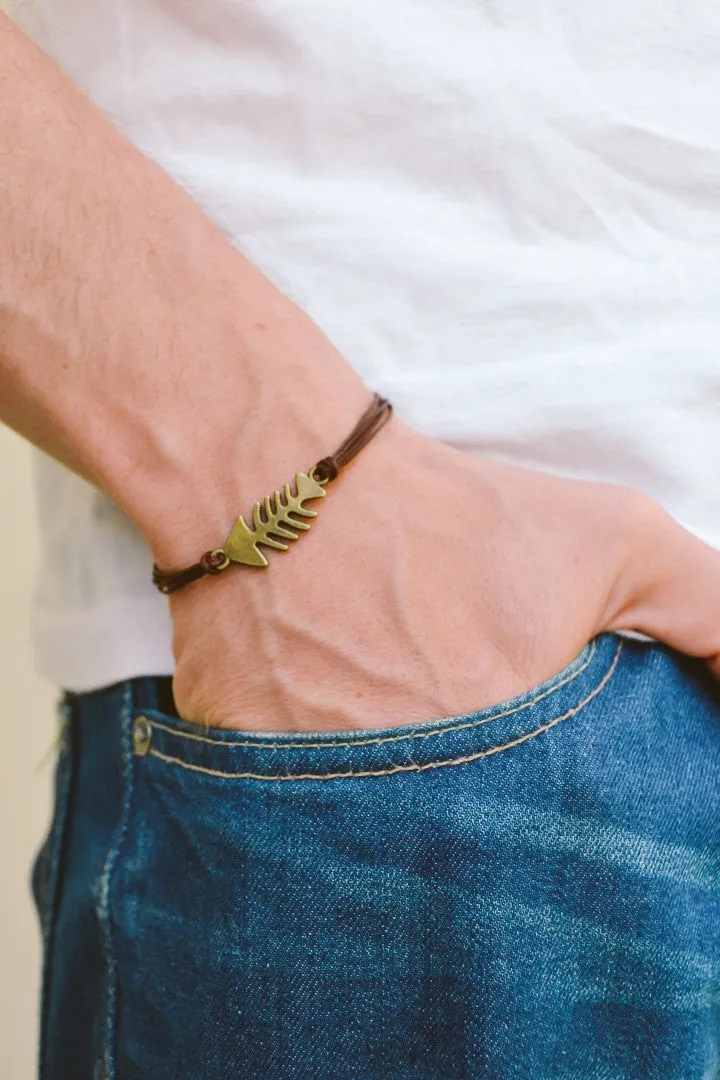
(215, 472)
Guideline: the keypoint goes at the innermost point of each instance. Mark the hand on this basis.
(433, 583)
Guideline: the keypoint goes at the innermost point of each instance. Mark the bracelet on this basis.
(274, 517)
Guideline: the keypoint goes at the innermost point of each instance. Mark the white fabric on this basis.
(506, 214)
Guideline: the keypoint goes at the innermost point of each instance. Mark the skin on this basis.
(142, 350)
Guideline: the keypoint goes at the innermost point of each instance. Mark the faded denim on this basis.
(528, 893)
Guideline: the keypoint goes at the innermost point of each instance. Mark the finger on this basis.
(672, 587)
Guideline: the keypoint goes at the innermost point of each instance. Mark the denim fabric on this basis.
(529, 892)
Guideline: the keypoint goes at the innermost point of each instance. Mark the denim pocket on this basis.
(241, 755)
(550, 912)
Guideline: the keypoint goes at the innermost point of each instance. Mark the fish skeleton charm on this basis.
(271, 520)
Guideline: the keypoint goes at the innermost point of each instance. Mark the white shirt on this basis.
(506, 215)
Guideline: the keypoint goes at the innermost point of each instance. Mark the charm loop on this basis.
(325, 471)
(214, 562)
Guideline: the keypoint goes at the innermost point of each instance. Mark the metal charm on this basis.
(271, 521)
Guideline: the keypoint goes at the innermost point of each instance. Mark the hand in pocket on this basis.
(435, 583)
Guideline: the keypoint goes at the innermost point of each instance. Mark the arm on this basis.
(136, 344)
(138, 347)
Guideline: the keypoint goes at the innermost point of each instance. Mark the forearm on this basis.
(136, 344)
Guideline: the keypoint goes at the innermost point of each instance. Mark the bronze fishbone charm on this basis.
(271, 520)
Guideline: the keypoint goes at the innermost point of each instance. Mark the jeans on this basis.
(532, 891)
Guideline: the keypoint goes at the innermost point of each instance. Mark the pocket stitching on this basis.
(386, 738)
(403, 768)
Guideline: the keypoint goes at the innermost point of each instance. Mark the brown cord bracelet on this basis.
(275, 518)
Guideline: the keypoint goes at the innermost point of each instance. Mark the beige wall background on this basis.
(28, 731)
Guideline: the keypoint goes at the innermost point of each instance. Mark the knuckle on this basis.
(643, 514)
